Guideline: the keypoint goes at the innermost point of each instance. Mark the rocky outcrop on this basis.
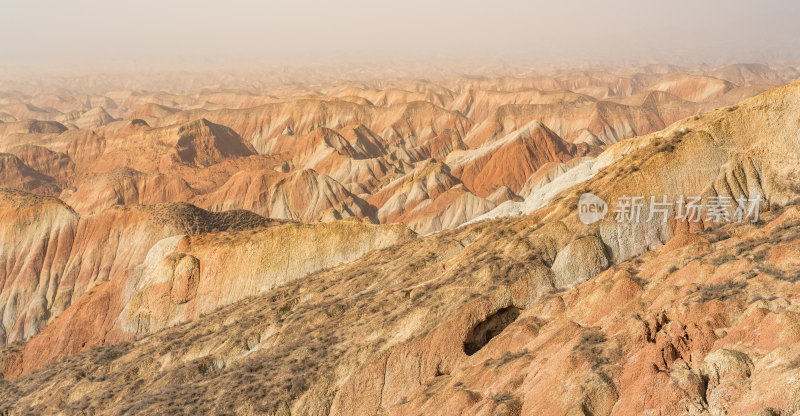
(450, 209)
(364, 136)
(37, 235)
(303, 196)
(428, 180)
(694, 88)
(689, 326)
(568, 272)
(229, 312)
(31, 126)
(203, 143)
(429, 199)
(151, 112)
(596, 123)
(510, 160)
(53, 256)
(191, 270)
(95, 117)
(15, 174)
(417, 121)
(731, 152)
(126, 186)
(56, 165)
(479, 104)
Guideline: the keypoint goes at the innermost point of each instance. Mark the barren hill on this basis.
(422, 253)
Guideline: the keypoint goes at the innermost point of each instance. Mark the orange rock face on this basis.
(513, 160)
(362, 138)
(125, 186)
(401, 247)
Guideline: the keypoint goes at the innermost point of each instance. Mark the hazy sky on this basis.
(50, 34)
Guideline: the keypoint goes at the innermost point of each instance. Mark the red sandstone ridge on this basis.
(361, 135)
(694, 88)
(429, 199)
(125, 186)
(15, 174)
(672, 318)
(510, 161)
(303, 196)
(401, 247)
(57, 258)
(203, 143)
(479, 104)
(31, 126)
(95, 117)
(597, 123)
(151, 111)
(56, 165)
(263, 124)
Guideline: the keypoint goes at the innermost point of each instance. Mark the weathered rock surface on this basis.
(154, 309)
(692, 327)
(126, 186)
(99, 278)
(592, 260)
(15, 174)
(364, 136)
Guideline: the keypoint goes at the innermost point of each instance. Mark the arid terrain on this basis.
(400, 246)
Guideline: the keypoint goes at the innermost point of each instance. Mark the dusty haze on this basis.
(91, 34)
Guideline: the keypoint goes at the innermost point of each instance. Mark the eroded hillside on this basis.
(528, 311)
(321, 151)
(479, 320)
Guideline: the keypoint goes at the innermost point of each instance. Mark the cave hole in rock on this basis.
(494, 324)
